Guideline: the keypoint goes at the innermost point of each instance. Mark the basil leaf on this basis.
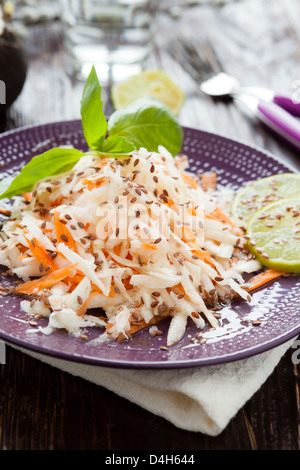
(5, 184)
(116, 146)
(93, 120)
(53, 162)
(147, 123)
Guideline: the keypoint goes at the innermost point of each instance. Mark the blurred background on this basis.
(256, 41)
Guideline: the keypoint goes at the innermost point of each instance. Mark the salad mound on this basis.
(138, 237)
(123, 230)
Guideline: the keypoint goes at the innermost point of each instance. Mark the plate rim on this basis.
(252, 146)
(167, 364)
(155, 365)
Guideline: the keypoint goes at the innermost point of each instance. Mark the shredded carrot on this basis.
(83, 308)
(192, 211)
(27, 197)
(76, 279)
(203, 255)
(62, 233)
(21, 257)
(117, 249)
(100, 163)
(170, 202)
(57, 202)
(5, 212)
(175, 208)
(188, 179)
(138, 325)
(30, 287)
(126, 284)
(263, 278)
(41, 255)
(178, 289)
(149, 246)
(218, 214)
(111, 294)
(209, 181)
(92, 184)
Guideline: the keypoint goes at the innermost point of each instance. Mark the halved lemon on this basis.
(274, 233)
(153, 83)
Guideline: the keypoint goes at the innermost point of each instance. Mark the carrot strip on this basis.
(175, 207)
(126, 283)
(44, 282)
(188, 179)
(5, 212)
(27, 197)
(57, 202)
(209, 181)
(117, 249)
(263, 278)
(40, 254)
(203, 255)
(178, 289)
(21, 257)
(92, 184)
(138, 325)
(149, 246)
(83, 308)
(62, 233)
(218, 214)
(75, 279)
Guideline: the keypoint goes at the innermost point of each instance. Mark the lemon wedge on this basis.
(255, 195)
(274, 235)
(153, 83)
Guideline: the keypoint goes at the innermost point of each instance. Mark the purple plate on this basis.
(276, 306)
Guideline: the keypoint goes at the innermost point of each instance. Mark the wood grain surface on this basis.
(42, 408)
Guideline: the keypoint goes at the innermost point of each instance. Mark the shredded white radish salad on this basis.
(138, 238)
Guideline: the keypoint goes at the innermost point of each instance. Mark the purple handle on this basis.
(280, 121)
(288, 104)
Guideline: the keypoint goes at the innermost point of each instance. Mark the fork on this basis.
(279, 113)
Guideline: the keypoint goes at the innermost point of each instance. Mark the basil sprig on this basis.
(94, 122)
(53, 162)
(145, 123)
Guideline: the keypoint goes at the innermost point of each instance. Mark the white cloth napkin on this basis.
(200, 399)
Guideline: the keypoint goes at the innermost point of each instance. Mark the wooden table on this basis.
(42, 408)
